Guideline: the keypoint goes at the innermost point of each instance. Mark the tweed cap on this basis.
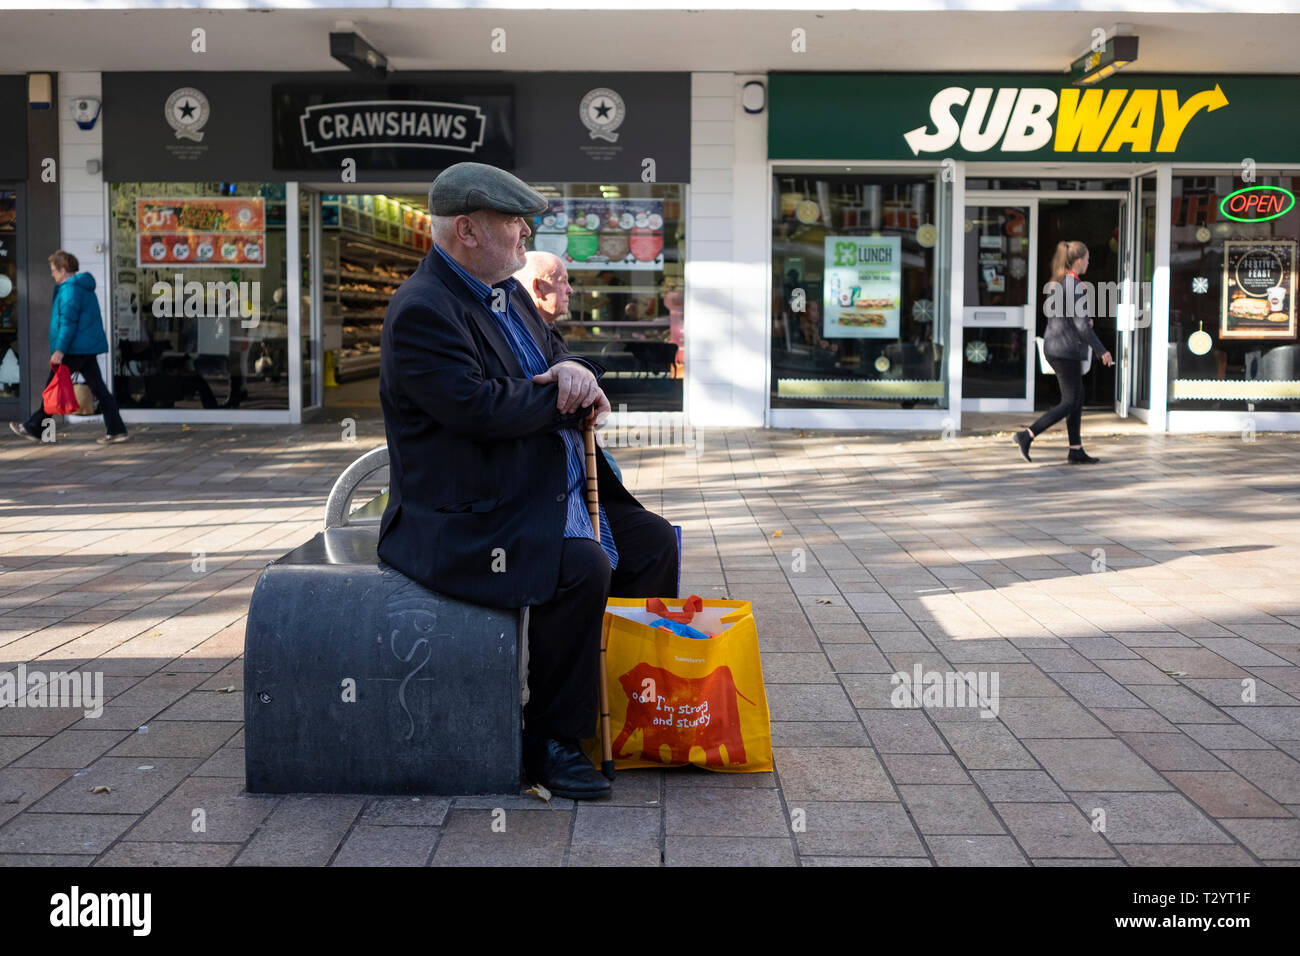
(468, 187)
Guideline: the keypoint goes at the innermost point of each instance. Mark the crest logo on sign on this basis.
(602, 112)
(187, 113)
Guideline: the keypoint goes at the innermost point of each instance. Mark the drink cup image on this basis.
(1276, 296)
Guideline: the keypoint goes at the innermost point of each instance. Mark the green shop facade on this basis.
(914, 218)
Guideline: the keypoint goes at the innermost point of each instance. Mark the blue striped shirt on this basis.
(577, 522)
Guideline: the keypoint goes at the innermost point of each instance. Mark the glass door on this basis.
(1144, 242)
(1000, 312)
(1126, 312)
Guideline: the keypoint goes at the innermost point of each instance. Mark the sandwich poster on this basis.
(1258, 290)
(863, 279)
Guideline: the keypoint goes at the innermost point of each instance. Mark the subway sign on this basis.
(1026, 119)
(1257, 203)
(1152, 118)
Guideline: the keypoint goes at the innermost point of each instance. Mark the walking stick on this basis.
(593, 509)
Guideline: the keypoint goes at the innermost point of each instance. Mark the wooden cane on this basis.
(593, 509)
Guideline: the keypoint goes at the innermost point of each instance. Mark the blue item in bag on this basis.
(683, 630)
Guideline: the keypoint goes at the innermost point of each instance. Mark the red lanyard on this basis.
(1074, 274)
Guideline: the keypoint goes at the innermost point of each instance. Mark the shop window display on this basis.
(1232, 300)
(9, 365)
(858, 308)
(624, 248)
(200, 318)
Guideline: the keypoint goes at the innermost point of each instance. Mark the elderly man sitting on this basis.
(483, 408)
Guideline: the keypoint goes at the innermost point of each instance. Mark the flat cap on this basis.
(468, 187)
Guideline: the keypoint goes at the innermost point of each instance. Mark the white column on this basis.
(83, 226)
(727, 239)
(1158, 419)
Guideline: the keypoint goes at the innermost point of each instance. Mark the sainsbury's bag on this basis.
(676, 700)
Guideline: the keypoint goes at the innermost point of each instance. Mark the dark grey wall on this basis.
(13, 127)
(549, 138)
(41, 221)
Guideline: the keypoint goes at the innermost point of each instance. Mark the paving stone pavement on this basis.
(1141, 617)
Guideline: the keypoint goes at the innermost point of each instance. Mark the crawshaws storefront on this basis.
(914, 218)
(260, 223)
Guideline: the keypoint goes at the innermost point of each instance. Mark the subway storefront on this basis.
(914, 217)
(260, 222)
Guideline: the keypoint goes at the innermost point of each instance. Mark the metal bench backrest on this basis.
(338, 506)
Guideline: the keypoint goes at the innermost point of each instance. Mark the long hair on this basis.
(1067, 254)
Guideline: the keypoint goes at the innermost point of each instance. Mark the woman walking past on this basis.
(76, 339)
(1066, 343)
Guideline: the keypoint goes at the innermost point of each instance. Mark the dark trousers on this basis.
(564, 633)
(88, 366)
(1069, 375)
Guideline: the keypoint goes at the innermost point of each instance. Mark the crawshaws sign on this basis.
(394, 128)
(1032, 117)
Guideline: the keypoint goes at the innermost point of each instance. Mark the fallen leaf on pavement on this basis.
(540, 791)
(101, 789)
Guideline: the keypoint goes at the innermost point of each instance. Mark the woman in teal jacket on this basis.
(76, 338)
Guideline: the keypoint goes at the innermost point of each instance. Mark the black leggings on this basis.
(1069, 375)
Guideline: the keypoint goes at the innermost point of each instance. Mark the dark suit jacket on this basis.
(477, 502)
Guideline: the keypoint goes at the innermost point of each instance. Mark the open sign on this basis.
(1257, 203)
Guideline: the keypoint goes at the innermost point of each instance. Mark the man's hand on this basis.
(56, 359)
(1107, 359)
(600, 411)
(577, 386)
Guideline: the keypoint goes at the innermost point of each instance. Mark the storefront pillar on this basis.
(1160, 300)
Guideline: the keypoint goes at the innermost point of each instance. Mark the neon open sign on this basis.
(1257, 203)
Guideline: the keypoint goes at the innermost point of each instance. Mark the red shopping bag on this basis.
(59, 397)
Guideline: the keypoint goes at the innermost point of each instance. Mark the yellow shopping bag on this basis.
(677, 700)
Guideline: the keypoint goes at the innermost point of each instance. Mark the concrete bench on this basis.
(359, 680)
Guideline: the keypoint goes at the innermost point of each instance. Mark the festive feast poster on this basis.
(863, 281)
(181, 231)
(601, 234)
(1259, 287)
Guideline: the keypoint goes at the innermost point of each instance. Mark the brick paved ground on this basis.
(1121, 690)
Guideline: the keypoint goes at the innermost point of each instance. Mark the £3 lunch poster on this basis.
(1259, 286)
(863, 280)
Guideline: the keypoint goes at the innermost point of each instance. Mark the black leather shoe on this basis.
(1078, 456)
(562, 768)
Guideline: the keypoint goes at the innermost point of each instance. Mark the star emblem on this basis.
(602, 110)
(1200, 284)
(186, 109)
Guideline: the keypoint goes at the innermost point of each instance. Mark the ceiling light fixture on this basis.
(1119, 51)
(351, 49)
